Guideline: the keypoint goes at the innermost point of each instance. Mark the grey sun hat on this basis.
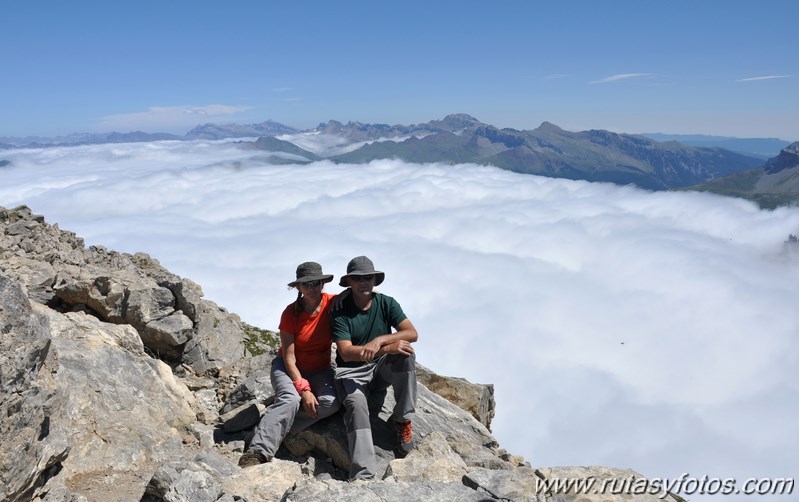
(361, 265)
(310, 271)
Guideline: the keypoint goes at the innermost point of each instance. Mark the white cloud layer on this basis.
(656, 331)
(329, 145)
(170, 118)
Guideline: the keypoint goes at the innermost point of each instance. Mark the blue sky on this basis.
(709, 67)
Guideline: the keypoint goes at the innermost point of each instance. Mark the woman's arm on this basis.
(337, 301)
(289, 358)
(309, 401)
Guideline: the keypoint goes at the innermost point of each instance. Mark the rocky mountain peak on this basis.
(455, 122)
(548, 126)
(787, 159)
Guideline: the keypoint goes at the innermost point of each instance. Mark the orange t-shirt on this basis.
(312, 336)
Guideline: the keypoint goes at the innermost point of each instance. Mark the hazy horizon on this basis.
(621, 327)
(300, 130)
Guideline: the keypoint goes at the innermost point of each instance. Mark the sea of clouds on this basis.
(620, 327)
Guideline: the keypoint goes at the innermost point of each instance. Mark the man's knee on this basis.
(400, 363)
(357, 416)
(328, 405)
(355, 401)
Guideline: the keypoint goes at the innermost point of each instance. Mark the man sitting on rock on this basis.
(370, 358)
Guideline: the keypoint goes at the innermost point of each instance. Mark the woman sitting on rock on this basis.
(301, 374)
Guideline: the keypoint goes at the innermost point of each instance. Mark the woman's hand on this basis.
(309, 403)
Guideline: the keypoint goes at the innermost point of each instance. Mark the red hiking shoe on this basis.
(404, 438)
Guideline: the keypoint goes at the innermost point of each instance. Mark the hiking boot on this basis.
(404, 439)
(252, 457)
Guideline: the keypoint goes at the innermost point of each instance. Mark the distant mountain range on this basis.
(204, 131)
(652, 161)
(85, 138)
(547, 150)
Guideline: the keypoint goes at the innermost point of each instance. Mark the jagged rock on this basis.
(266, 482)
(37, 276)
(34, 447)
(431, 460)
(382, 491)
(187, 293)
(167, 311)
(79, 395)
(145, 305)
(477, 399)
(217, 340)
(207, 405)
(168, 335)
(196, 480)
(242, 418)
(202, 433)
(257, 386)
(518, 484)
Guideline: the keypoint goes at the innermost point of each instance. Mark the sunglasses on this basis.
(311, 284)
(362, 278)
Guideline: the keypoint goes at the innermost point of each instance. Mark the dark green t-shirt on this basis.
(363, 326)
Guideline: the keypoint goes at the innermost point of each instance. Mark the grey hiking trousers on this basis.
(286, 415)
(354, 386)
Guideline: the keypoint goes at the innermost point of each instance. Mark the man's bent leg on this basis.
(359, 436)
(400, 372)
(351, 384)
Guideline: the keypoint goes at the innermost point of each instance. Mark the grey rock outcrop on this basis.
(78, 396)
(167, 311)
(477, 399)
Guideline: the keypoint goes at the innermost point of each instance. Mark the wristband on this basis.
(301, 385)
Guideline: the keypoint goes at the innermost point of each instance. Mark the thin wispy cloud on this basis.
(653, 331)
(620, 76)
(767, 77)
(170, 118)
(281, 89)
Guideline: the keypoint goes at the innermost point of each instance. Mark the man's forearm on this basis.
(350, 353)
(389, 338)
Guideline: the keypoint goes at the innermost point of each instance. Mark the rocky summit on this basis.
(120, 382)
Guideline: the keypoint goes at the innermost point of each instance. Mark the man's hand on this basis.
(403, 347)
(369, 351)
(309, 403)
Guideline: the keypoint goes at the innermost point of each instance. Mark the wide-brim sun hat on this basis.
(361, 265)
(310, 271)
